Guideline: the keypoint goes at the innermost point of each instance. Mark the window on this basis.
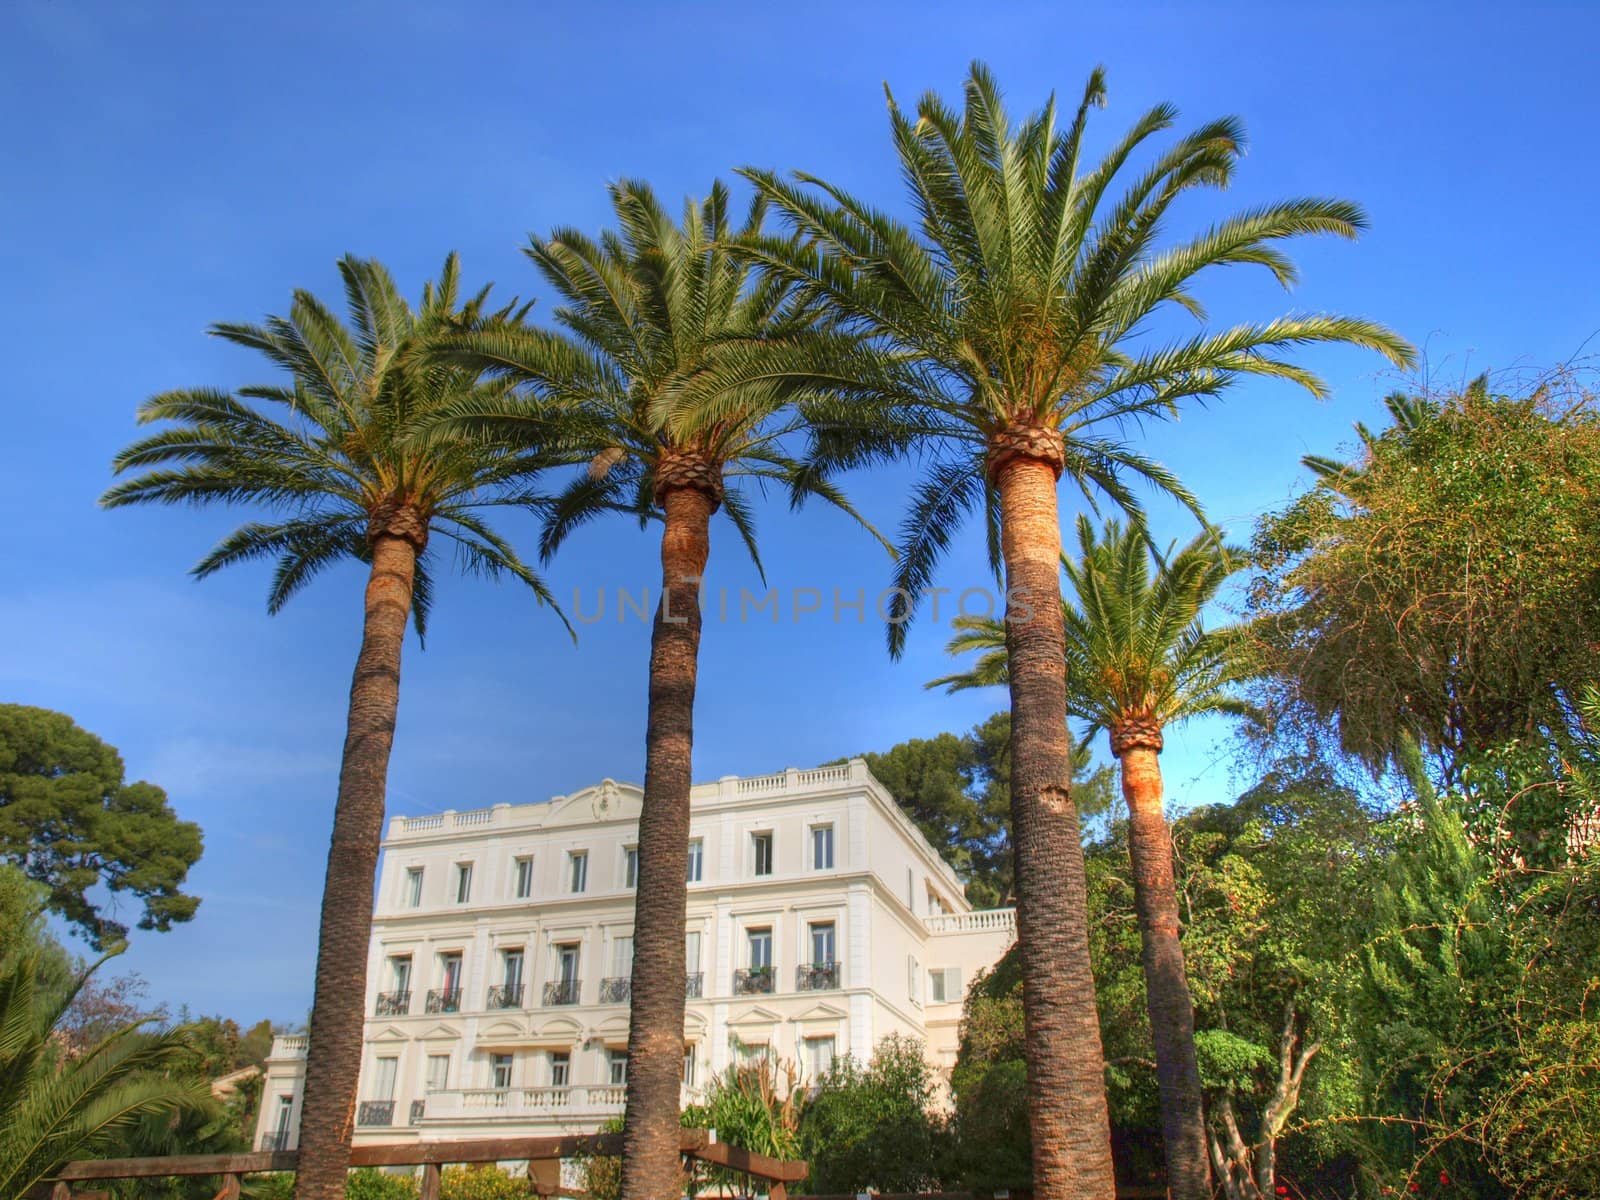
(760, 941)
(935, 903)
(750, 1053)
(400, 973)
(911, 890)
(285, 1110)
(567, 962)
(621, 957)
(383, 1079)
(500, 1070)
(691, 952)
(822, 944)
(913, 978)
(511, 964)
(438, 1073)
(524, 878)
(688, 1065)
(450, 971)
(560, 1068)
(463, 882)
(761, 846)
(618, 1064)
(413, 887)
(822, 848)
(578, 871)
(696, 860)
(944, 985)
(630, 867)
(818, 1055)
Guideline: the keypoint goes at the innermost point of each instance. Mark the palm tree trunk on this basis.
(1066, 1065)
(1183, 1122)
(650, 1163)
(338, 1012)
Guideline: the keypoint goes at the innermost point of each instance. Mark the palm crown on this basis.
(639, 379)
(1138, 653)
(1007, 322)
(355, 448)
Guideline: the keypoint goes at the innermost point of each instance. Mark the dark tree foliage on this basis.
(872, 1126)
(1443, 585)
(956, 787)
(70, 822)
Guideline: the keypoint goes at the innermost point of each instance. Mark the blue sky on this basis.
(169, 165)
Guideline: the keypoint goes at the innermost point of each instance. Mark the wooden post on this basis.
(230, 1188)
(61, 1191)
(430, 1182)
(777, 1192)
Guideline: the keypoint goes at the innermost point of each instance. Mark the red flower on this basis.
(1414, 1188)
(1444, 1177)
(1282, 1189)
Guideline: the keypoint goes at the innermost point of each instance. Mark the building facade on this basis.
(820, 921)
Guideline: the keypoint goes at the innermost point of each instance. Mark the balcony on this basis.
(616, 990)
(817, 977)
(575, 1102)
(693, 985)
(753, 981)
(443, 1000)
(505, 995)
(375, 1112)
(393, 1004)
(418, 1109)
(275, 1141)
(562, 991)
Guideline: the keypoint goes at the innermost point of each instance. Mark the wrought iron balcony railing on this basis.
(817, 977)
(562, 991)
(505, 995)
(418, 1108)
(393, 1004)
(443, 1000)
(275, 1141)
(375, 1112)
(752, 981)
(693, 985)
(616, 990)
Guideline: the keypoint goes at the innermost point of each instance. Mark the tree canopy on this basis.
(72, 823)
(1443, 585)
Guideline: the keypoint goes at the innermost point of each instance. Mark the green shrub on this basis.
(482, 1183)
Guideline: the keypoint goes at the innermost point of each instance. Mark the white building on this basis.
(819, 922)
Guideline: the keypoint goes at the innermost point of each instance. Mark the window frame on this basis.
(522, 879)
(577, 872)
(697, 860)
(413, 882)
(762, 839)
(822, 835)
(464, 883)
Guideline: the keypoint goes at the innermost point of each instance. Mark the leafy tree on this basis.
(873, 1127)
(1480, 1049)
(55, 1108)
(1138, 659)
(1442, 586)
(356, 468)
(637, 380)
(1008, 325)
(70, 820)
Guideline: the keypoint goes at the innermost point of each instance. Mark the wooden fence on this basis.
(542, 1154)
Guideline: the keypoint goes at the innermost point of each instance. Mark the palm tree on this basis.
(56, 1108)
(652, 314)
(1138, 659)
(1008, 325)
(355, 469)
